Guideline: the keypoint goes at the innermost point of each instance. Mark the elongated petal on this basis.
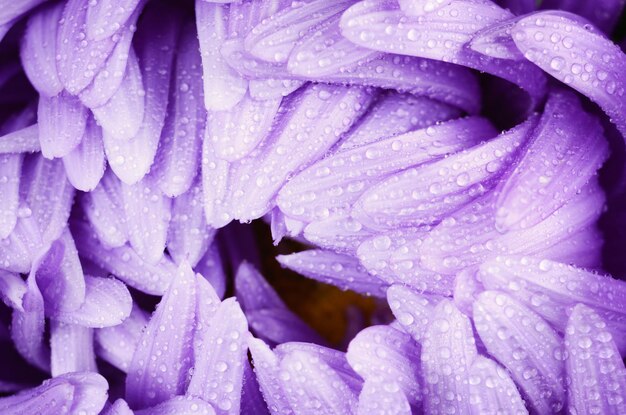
(384, 354)
(148, 213)
(581, 58)
(272, 89)
(223, 87)
(107, 303)
(339, 233)
(425, 194)
(104, 18)
(122, 115)
(12, 11)
(21, 141)
(10, 168)
(85, 164)
(379, 397)
(308, 382)
(332, 184)
(448, 351)
(179, 405)
(526, 345)
(160, 365)
(211, 267)
(220, 351)
(72, 392)
(61, 121)
(124, 263)
(22, 245)
(252, 402)
(236, 132)
(178, 155)
(280, 325)
(189, 235)
(253, 291)
(492, 390)
(336, 269)
(117, 344)
(413, 311)
(104, 207)
(595, 370)
(549, 175)
(38, 50)
(71, 348)
(552, 289)
(266, 369)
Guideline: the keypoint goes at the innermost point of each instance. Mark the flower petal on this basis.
(10, 168)
(334, 183)
(107, 303)
(280, 325)
(223, 87)
(384, 354)
(492, 390)
(62, 121)
(252, 402)
(85, 164)
(448, 351)
(378, 397)
(253, 291)
(117, 344)
(38, 50)
(220, 351)
(333, 268)
(266, 368)
(119, 407)
(71, 348)
(104, 18)
(179, 405)
(122, 115)
(22, 245)
(577, 50)
(595, 371)
(164, 355)
(427, 193)
(526, 345)
(12, 290)
(148, 213)
(188, 235)
(412, 310)
(552, 289)
(24, 140)
(210, 266)
(604, 14)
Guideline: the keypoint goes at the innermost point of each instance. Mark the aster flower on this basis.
(457, 166)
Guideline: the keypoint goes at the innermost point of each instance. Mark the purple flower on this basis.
(460, 162)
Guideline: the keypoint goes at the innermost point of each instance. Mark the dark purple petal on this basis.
(253, 291)
(252, 402)
(71, 348)
(266, 368)
(604, 14)
(211, 267)
(62, 121)
(280, 325)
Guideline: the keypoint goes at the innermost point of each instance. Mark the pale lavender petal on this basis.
(266, 368)
(12, 11)
(337, 181)
(272, 89)
(24, 140)
(119, 407)
(280, 325)
(236, 132)
(124, 263)
(81, 392)
(339, 233)
(85, 164)
(211, 267)
(79, 57)
(595, 371)
(531, 350)
(22, 245)
(448, 350)
(492, 391)
(131, 160)
(383, 398)
(164, 355)
(412, 310)
(104, 208)
(252, 402)
(188, 235)
(71, 348)
(10, 168)
(223, 86)
(496, 41)
(62, 121)
(220, 350)
(179, 405)
(12, 290)
(105, 17)
(552, 289)
(107, 303)
(49, 195)
(117, 344)
(582, 59)
(308, 382)
(427, 193)
(27, 327)
(467, 287)
(336, 269)
(178, 156)
(215, 177)
(274, 38)
(38, 50)
(384, 354)
(122, 115)
(548, 176)
(420, 7)
(148, 213)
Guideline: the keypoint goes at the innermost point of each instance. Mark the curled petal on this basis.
(12, 290)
